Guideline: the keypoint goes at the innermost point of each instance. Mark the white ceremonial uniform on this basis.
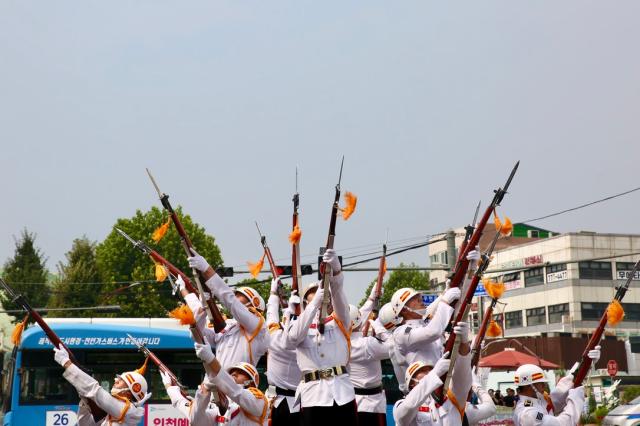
(245, 406)
(419, 408)
(533, 412)
(315, 351)
(119, 411)
(419, 340)
(282, 366)
(481, 411)
(179, 401)
(365, 369)
(245, 337)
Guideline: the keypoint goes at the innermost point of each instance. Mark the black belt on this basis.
(285, 392)
(325, 373)
(368, 391)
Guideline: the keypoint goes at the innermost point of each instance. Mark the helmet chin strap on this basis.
(422, 312)
(539, 394)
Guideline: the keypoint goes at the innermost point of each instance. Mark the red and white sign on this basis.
(612, 367)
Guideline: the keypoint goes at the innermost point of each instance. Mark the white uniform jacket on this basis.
(533, 412)
(419, 340)
(282, 366)
(481, 411)
(365, 369)
(419, 408)
(245, 337)
(315, 351)
(119, 411)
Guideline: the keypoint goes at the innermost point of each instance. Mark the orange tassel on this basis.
(255, 268)
(161, 272)
(295, 235)
(497, 221)
(507, 228)
(183, 314)
(494, 329)
(351, 200)
(615, 313)
(143, 368)
(493, 289)
(160, 231)
(16, 335)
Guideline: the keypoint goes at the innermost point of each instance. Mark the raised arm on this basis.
(298, 329)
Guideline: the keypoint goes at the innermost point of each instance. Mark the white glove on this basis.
(198, 262)
(207, 383)
(275, 282)
(180, 283)
(61, 356)
(473, 255)
(451, 295)
(204, 353)
(442, 365)
(317, 298)
(564, 384)
(294, 300)
(166, 379)
(462, 329)
(594, 354)
(331, 258)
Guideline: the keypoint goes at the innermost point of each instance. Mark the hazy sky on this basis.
(430, 102)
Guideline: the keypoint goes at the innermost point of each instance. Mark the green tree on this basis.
(130, 275)
(77, 278)
(402, 277)
(25, 272)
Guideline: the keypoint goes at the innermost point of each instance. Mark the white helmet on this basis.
(413, 368)
(388, 317)
(249, 370)
(254, 297)
(136, 383)
(400, 298)
(356, 318)
(528, 374)
(313, 286)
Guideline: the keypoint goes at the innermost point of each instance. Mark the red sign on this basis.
(612, 367)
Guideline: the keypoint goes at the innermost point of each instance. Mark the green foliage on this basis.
(600, 412)
(118, 261)
(75, 285)
(398, 279)
(26, 273)
(629, 393)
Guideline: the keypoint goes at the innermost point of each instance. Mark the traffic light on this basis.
(224, 271)
(288, 270)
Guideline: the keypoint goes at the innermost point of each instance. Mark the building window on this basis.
(536, 316)
(534, 276)
(557, 311)
(631, 311)
(514, 276)
(513, 319)
(557, 273)
(623, 269)
(557, 268)
(533, 233)
(439, 258)
(595, 270)
(593, 311)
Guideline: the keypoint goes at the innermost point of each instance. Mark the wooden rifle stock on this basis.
(378, 289)
(216, 317)
(97, 412)
(272, 265)
(585, 361)
(477, 344)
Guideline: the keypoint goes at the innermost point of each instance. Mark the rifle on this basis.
(327, 272)
(482, 331)
(210, 307)
(378, 289)
(585, 361)
(157, 258)
(468, 233)
(161, 366)
(296, 273)
(452, 342)
(97, 412)
(272, 265)
(463, 263)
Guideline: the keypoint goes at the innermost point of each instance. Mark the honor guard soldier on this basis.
(419, 407)
(485, 407)
(365, 369)
(283, 373)
(326, 393)
(417, 338)
(123, 405)
(245, 338)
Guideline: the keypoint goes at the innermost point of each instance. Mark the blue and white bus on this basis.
(35, 393)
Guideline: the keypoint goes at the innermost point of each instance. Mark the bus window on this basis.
(41, 380)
